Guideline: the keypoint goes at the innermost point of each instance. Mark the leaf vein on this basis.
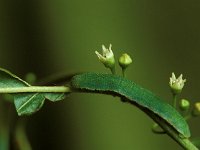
(27, 102)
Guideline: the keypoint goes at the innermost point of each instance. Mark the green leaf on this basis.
(9, 80)
(25, 103)
(54, 96)
(28, 103)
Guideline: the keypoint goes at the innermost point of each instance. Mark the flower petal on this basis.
(100, 56)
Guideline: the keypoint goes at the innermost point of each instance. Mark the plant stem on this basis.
(123, 72)
(113, 70)
(174, 100)
(196, 141)
(182, 141)
(34, 89)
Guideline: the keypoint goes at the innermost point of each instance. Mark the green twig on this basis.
(174, 100)
(113, 70)
(182, 141)
(123, 72)
(33, 89)
(196, 141)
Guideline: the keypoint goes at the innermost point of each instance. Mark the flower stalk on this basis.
(124, 61)
(176, 85)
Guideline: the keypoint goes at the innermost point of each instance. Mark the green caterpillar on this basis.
(144, 99)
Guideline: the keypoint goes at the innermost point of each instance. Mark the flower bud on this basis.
(196, 109)
(125, 60)
(184, 104)
(176, 84)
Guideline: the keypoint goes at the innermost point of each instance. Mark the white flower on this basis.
(176, 84)
(107, 57)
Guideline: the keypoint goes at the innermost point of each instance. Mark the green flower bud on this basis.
(176, 84)
(107, 57)
(196, 109)
(125, 60)
(184, 104)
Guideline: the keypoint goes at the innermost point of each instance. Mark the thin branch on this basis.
(35, 89)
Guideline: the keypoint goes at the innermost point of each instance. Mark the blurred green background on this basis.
(51, 36)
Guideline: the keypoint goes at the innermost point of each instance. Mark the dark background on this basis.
(48, 36)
